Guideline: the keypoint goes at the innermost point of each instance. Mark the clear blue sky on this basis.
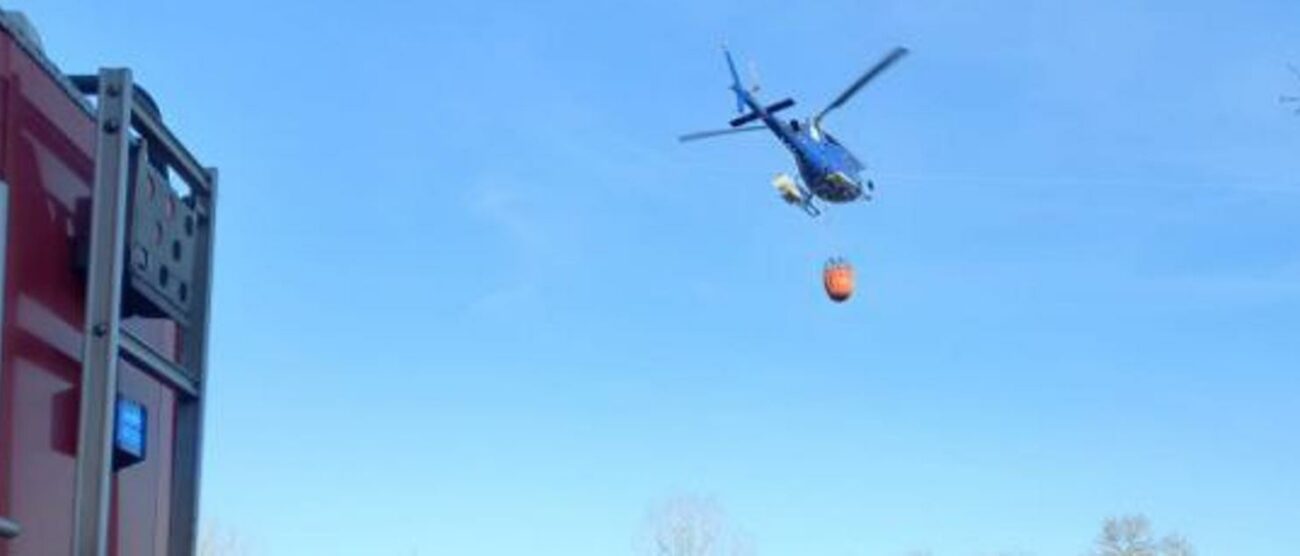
(473, 298)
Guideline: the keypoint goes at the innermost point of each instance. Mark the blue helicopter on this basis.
(827, 169)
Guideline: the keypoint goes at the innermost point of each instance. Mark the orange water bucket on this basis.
(838, 279)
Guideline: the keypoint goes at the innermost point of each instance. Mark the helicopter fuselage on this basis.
(828, 169)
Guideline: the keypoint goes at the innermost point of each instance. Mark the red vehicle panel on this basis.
(48, 138)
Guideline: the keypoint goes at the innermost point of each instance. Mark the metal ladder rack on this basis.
(126, 118)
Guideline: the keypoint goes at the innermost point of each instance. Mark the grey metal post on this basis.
(187, 459)
(4, 252)
(9, 528)
(103, 313)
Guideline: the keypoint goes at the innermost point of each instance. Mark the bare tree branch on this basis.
(693, 526)
(1131, 536)
(216, 540)
(1176, 545)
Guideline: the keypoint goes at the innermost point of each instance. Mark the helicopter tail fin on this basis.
(736, 86)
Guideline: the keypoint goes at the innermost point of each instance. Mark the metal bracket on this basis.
(9, 529)
(161, 235)
(138, 352)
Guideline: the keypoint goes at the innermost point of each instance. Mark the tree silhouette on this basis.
(692, 526)
(1132, 536)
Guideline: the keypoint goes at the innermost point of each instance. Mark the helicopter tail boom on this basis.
(736, 85)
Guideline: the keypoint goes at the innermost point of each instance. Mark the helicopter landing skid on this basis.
(793, 193)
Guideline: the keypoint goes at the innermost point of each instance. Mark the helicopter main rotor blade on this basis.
(716, 132)
(1291, 100)
(889, 60)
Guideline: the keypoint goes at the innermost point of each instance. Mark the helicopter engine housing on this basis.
(788, 189)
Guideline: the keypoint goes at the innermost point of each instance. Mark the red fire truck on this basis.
(106, 224)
